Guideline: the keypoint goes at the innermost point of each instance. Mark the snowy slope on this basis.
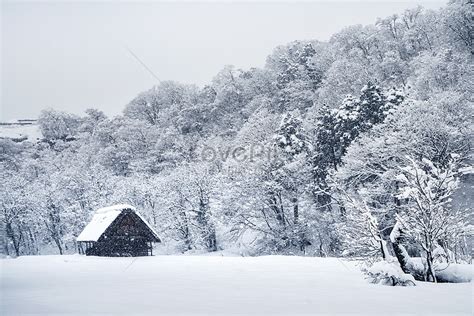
(170, 285)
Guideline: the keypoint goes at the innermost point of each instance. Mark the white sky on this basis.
(73, 56)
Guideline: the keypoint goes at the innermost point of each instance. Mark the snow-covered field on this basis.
(31, 132)
(163, 285)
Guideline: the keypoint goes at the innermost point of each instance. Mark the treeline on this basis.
(321, 152)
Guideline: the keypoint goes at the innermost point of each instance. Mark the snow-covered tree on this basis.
(325, 175)
(431, 130)
(159, 105)
(56, 125)
(362, 230)
(338, 128)
(297, 74)
(428, 217)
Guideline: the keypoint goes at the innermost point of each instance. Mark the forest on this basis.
(360, 147)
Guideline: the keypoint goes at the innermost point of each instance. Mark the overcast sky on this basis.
(73, 56)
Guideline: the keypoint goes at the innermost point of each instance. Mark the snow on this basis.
(467, 170)
(395, 234)
(447, 272)
(170, 285)
(15, 131)
(455, 273)
(102, 219)
(116, 207)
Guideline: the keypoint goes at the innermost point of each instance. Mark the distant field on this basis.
(20, 132)
(164, 285)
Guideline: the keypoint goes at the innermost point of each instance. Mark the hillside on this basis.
(359, 146)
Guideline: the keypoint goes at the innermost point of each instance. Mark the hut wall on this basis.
(127, 236)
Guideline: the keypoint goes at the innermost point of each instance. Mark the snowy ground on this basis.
(31, 132)
(165, 285)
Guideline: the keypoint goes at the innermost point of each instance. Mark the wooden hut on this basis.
(117, 231)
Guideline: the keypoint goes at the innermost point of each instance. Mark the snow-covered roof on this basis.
(102, 219)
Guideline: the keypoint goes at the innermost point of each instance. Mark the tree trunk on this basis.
(34, 245)
(278, 210)
(430, 273)
(321, 249)
(212, 242)
(5, 246)
(401, 255)
(55, 226)
(16, 243)
(58, 244)
(383, 249)
(185, 231)
(295, 210)
(208, 230)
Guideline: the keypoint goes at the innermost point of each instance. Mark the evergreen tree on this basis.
(337, 129)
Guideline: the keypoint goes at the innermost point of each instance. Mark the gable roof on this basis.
(103, 218)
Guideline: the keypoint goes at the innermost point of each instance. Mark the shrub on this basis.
(389, 273)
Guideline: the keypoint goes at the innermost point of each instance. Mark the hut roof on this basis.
(103, 218)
